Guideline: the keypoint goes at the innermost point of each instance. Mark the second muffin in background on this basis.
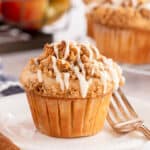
(69, 88)
(121, 29)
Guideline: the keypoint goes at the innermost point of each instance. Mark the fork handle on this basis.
(142, 128)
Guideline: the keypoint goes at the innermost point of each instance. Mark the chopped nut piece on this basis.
(63, 67)
(84, 58)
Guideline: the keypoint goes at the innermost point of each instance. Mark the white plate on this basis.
(143, 70)
(16, 123)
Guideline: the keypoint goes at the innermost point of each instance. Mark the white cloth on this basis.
(71, 26)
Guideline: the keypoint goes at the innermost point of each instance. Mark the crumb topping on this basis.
(123, 13)
(125, 3)
(89, 59)
(65, 61)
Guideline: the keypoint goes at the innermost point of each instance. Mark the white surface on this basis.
(13, 63)
(16, 123)
(137, 69)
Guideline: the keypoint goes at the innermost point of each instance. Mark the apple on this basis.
(27, 14)
(11, 10)
(33, 14)
(0, 8)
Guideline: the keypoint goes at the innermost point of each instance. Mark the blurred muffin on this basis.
(121, 29)
(69, 88)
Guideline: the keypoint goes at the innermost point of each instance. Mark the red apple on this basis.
(28, 14)
(0, 8)
(33, 14)
(11, 10)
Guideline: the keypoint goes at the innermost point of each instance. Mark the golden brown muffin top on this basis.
(72, 70)
(123, 13)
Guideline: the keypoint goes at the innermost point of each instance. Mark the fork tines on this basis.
(123, 118)
(121, 113)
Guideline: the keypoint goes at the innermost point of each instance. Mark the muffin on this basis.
(91, 1)
(69, 87)
(121, 30)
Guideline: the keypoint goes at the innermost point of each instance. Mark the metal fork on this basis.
(123, 118)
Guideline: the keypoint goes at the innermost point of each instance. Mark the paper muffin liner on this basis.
(68, 117)
(123, 45)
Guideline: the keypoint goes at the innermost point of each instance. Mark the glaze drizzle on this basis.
(79, 69)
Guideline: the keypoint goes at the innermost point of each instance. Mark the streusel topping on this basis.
(123, 13)
(67, 61)
(124, 3)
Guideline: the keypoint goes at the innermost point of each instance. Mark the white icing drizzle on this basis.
(108, 5)
(39, 72)
(35, 61)
(67, 50)
(113, 72)
(66, 80)
(95, 63)
(123, 79)
(79, 60)
(134, 3)
(117, 2)
(92, 5)
(84, 84)
(89, 50)
(58, 74)
(96, 52)
(39, 75)
(119, 70)
(115, 78)
(104, 77)
(101, 66)
(63, 61)
(56, 49)
(93, 71)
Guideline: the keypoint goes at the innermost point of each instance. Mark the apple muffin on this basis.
(69, 87)
(121, 29)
